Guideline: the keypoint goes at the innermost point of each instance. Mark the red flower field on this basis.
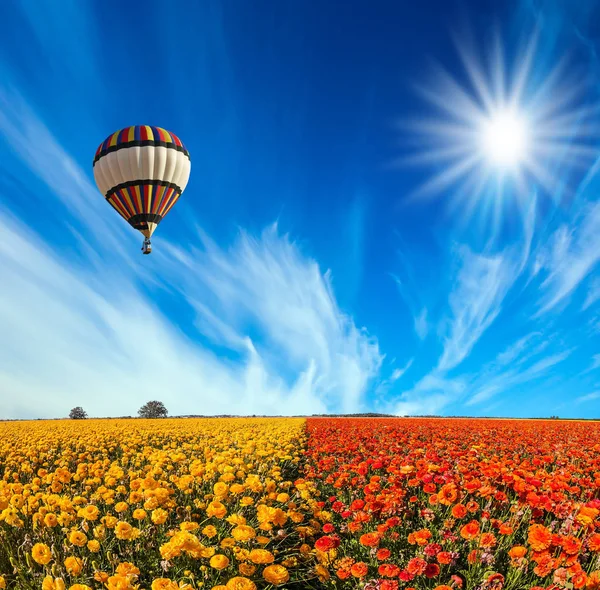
(456, 503)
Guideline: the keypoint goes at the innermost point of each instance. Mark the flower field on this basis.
(442, 503)
(263, 503)
(123, 504)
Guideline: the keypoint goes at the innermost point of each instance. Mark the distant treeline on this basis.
(361, 415)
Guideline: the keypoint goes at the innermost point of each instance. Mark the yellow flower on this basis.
(219, 561)
(90, 512)
(227, 542)
(119, 583)
(41, 553)
(189, 526)
(93, 546)
(123, 530)
(276, 574)
(79, 587)
(50, 520)
(209, 531)
(53, 584)
(261, 556)
(236, 519)
(121, 507)
(110, 521)
(2, 583)
(135, 497)
(77, 538)
(139, 514)
(164, 584)
(240, 583)
(159, 516)
(216, 509)
(74, 565)
(243, 533)
(101, 577)
(220, 489)
(247, 569)
(128, 570)
(322, 573)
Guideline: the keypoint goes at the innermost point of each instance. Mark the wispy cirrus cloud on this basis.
(478, 291)
(430, 395)
(595, 363)
(398, 373)
(421, 324)
(588, 397)
(85, 330)
(593, 293)
(513, 367)
(572, 254)
(475, 302)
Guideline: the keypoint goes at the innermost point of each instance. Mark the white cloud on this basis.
(475, 302)
(595, 363)
(507, 370)
(429, 396)
(573, 253)
(399, 372)
(514, 351)
(85, 331)
(593, 293)
(543, 365)
(421, 324)
(588, 397)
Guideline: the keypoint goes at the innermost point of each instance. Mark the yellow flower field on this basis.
(154, 504)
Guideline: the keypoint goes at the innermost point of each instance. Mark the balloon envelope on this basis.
(142, 171)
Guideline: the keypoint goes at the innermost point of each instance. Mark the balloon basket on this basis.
(147, 246)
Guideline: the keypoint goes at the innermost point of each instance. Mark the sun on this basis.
(505, 139)
(501, 134)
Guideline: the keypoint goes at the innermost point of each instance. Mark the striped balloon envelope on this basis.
(142, 171)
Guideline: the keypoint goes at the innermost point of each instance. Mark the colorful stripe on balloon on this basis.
(139, 135)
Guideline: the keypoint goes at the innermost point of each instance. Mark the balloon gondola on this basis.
(142, 171)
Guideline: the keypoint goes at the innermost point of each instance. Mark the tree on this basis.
(153, 409)
(78, 413)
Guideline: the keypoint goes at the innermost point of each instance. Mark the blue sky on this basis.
(301, 272)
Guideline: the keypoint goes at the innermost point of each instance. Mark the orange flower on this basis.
(579, 579)
(370, 539)
(571, 545)
(448, 494)
(420, 537)
(487, 540)
(459, 511)
(444, 557)
(470, 530)
(388, 570)
(518, 551)
(539, 537)
(594, 542)
(505, 529)
(593, 581)
(587, 515)
(416, 566)
(359, 569)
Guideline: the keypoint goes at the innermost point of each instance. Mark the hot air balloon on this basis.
(142, 171)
